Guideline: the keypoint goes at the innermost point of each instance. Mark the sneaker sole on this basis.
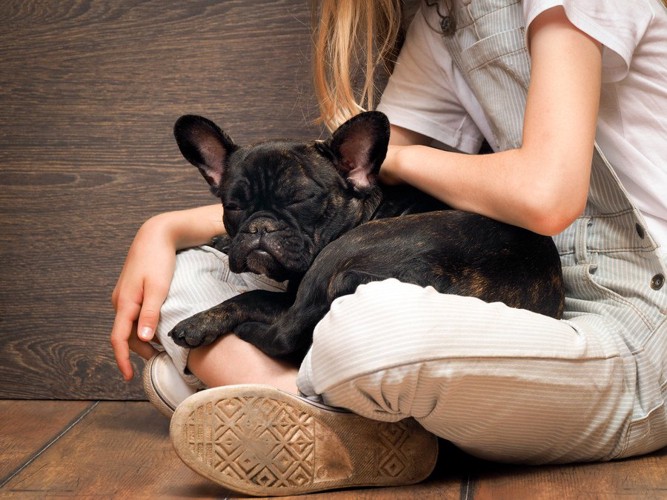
(260, 441)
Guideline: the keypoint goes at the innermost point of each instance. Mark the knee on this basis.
(353, 317)
(373, 326)
(361, 345)
(197, 284)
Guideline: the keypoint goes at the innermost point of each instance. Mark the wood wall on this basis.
(89, 92)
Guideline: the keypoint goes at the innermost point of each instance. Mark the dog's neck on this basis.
(403, 200)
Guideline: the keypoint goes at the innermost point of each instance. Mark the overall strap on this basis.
(488, 47)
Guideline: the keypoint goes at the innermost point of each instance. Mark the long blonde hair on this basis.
(355, 41)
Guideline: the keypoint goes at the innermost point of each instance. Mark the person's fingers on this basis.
(149, 315)
(143, 349)
(120, 335)
(126, 314)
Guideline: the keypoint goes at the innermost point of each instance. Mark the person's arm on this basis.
(146, 276)
(543, 185)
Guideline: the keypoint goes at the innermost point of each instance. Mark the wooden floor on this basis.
(83, 449)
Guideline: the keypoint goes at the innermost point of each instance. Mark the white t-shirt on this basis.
(429, 95)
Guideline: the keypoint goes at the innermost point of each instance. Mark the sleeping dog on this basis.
(315, 215)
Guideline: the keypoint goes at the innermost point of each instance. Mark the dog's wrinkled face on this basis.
(277, 201)
(284, 201)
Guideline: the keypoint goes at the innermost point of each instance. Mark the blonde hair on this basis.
(356, 41)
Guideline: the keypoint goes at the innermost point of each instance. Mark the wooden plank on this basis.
(89, 92)
(635, 478)
(27, 427)
(120, 450)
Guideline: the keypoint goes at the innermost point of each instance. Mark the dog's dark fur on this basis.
(314, 214)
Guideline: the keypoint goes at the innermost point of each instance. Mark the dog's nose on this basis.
(263, 225)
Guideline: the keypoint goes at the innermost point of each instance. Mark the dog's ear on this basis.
(204, 145)
(359, 147)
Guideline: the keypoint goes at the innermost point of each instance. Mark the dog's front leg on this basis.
(289, 337)
(255, 307)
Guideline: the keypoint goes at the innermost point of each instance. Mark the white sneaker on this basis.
(164, 385)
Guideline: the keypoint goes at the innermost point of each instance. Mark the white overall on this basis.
(500, 383)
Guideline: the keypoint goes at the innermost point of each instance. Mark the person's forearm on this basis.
(513, 186)
(191, 227)
(493, 185)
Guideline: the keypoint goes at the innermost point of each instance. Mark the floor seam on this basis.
(48, 445)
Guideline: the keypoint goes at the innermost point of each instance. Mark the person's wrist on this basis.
(390, 171)
(161, 228)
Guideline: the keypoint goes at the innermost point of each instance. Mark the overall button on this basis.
(448, 25)
(657, 281)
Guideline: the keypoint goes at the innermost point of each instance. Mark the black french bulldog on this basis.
(314, 214)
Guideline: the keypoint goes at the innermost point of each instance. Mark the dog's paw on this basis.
(221, 243)
(192, 332)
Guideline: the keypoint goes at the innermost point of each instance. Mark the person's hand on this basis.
(140, 291)
(144, 282)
